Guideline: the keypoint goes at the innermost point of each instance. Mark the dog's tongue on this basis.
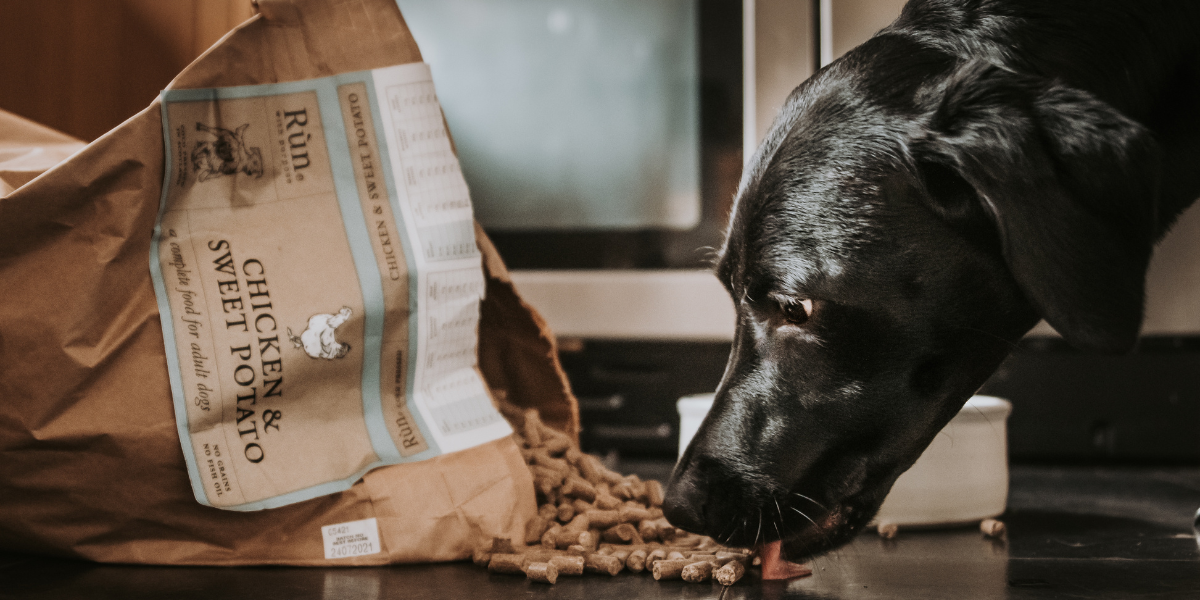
(774, 566)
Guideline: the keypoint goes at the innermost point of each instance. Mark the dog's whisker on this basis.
(801, 513)
(731, 529)
(758, 532)
(995, 431)
(943, 432)
(802, 496)
(814, 524)
(779, 519)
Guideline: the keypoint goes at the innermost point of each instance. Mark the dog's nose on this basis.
(683, 504)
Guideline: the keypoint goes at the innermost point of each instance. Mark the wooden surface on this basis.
(84, 66)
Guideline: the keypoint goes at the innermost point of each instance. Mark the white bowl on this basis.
(961, 477)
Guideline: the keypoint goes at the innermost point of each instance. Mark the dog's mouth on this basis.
(807, 527)
(805, 536)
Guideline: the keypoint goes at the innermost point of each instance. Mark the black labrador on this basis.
(916, 207)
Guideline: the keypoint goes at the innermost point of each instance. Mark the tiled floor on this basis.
(1073, 533)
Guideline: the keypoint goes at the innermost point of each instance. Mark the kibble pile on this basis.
(593, 520)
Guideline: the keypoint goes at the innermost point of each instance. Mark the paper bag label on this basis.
(319, 284)
(354, 538)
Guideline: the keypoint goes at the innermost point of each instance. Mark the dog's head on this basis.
(908, 218)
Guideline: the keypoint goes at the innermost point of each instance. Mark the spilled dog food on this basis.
(593, 520)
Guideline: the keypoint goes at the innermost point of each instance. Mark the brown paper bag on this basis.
(27, 149)
(90, 461)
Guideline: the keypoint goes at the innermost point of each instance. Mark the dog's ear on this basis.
(1070, 184)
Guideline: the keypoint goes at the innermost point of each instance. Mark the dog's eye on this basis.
(796, 312)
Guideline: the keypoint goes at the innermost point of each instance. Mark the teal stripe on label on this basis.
(410, 258)
(166, 319)
(364, 262)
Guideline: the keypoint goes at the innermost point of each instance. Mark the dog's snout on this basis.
(683, 504)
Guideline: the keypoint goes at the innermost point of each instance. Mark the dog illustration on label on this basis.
(318, 340)
(226, 155)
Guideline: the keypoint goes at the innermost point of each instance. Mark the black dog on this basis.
(916, 207)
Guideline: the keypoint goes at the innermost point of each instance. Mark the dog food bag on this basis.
(257, 324)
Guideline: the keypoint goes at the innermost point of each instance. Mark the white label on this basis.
(354, 538)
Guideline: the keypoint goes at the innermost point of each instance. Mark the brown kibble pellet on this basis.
(603, 519)
(542, 572)
(566, 512)
(638, 486)
(631, 514)
(888, 531)
(623, 490)
(555, 478)
(623, 533)
(589, 539)
(538, 554)
(589, 467)
(547, 511)
(541, 459)
(573, 455)
(532, 429)
(543, 485)
(578, 523)
(606, 501)
(992, 528)
(648, 530)
(582, 506)
(669, 568)
(697, 572)
(612, 477)
(506, 563)
(654, 493)
(730, 573)
(555, 442)
(578, 487)
(550, 537)
(656, 554)
(481, 557)
(594, 471)
(577, 550)
(636, 561)
(675, 555)
(535, 528)
(667, 533)
(568, 565)
(567, 537)
(569, 533)
(601, 563)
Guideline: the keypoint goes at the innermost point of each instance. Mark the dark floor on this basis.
(1073, 533)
